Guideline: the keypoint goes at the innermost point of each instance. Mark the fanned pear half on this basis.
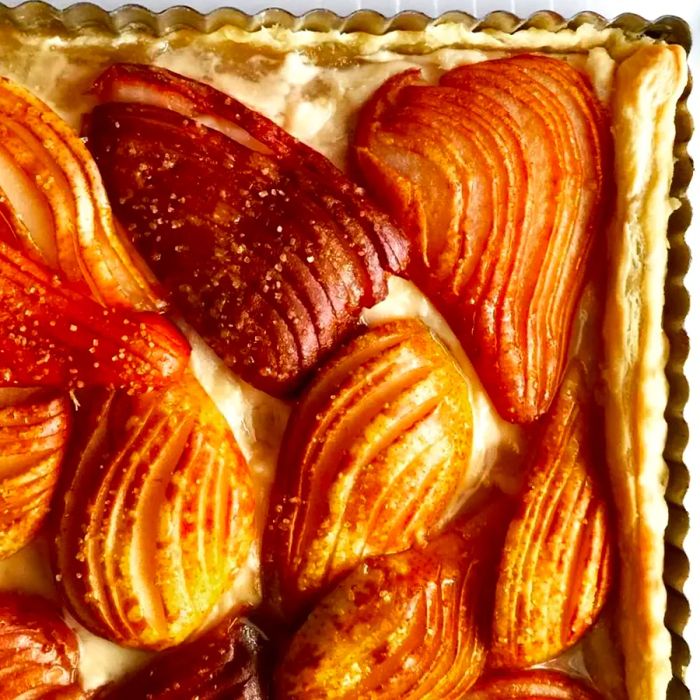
(155, 515)
(54, 207)
(405, 626)
(34, 434)
(265, 247)
(556, 568)
(500, 176)
(38, 651)
(371, 459)
(225, 663)
(56, 336)
(536, 684)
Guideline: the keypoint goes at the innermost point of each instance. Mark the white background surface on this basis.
(650, 9)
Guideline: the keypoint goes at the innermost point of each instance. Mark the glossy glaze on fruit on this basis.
(555, 572)
(38, 651)
(406, 626)
(226, 663)
(155, 515)
(500, 176)
(266, 248)
(57, 337)
(53, 205)
(377, 446)
(34, 433)
(369, 462)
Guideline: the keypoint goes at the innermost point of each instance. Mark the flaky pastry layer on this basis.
(647, 87)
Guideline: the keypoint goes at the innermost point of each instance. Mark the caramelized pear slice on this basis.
(226, 663)
(267, 249)
(501, 178)
(33, 437)
(370, 460)
(51, 188)
(402, 626)
(55, 336)
(155, 515)
(555, 573)
(38, 651)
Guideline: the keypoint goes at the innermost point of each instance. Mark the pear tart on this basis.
(333, 367)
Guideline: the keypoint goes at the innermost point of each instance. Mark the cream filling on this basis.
(318, 105)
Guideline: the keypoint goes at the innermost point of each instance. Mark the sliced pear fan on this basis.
(501, 177)
(56, 336)
(537, 684)
(33, 437)
(556, 568)
(51, 186)
(155, 516)
(266, 248)
(225, 663)
(38, 651)
(370, 461)
(405, 626)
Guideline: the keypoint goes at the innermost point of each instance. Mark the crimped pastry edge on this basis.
(38, 15)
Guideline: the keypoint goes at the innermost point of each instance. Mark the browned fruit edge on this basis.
(41, 17)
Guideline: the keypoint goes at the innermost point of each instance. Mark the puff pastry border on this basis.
(648, 85)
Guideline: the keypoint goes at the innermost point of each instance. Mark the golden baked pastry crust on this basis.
(648, 79)
(647, 87)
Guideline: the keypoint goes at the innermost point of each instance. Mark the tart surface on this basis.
(316, 96)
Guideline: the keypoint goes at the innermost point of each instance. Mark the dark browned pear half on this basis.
(226, 663)
(266, 248)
